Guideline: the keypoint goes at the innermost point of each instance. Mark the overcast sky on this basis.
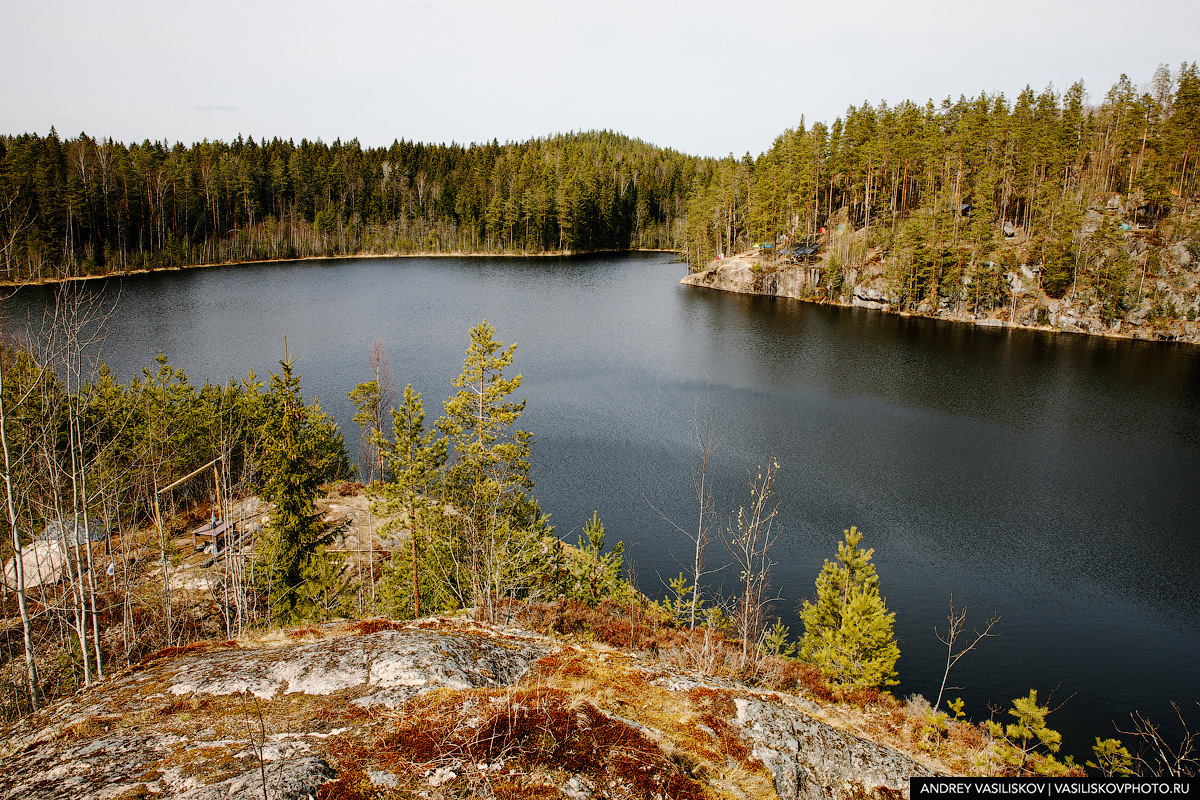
(706, 78)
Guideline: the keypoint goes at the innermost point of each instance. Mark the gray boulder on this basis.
(297, 779)
(871, 297)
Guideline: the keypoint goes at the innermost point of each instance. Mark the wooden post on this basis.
(162, 542)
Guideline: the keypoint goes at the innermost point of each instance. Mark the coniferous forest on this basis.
(1047, 210)
(84, 206)
(937, 190)
(955, 172)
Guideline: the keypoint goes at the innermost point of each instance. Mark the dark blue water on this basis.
(1050, 480)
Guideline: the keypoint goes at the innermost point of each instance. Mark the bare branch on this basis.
(957, 623)
(1155, 756)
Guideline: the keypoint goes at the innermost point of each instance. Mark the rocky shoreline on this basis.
(753, 272)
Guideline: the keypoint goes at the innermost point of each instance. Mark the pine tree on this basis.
(848, 630)
(499, 525)
(596, 575)
(1028, 745)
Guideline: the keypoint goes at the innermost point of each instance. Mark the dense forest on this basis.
(937, 188)
(87, 207)
(1031, 163)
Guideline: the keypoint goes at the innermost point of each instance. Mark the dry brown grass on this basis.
(194, 647)
(304, 634)
(707, 651)
(716, 709)
(695, 729)
(365, 627)
(522, 743)
(961, 749)
(589, 713)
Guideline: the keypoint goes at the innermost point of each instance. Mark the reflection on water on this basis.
(1049, 479)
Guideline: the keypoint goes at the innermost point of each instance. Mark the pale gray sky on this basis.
(703, 77)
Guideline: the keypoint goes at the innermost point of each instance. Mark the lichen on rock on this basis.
(438, 708)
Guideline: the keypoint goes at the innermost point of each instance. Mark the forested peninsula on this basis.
(1050, 209)
(1044, 212)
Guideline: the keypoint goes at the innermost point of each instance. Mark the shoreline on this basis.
(691, 279)
(984, 323)
(6, 284)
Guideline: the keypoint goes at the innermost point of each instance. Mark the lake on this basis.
(1048, 479)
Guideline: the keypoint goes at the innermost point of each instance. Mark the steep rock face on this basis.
(744, 273)
(733, 274)
(867, 295)
(750, 273)
(444, 708)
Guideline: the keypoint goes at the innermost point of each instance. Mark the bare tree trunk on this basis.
(412, 538)
(166, 565)
(81, 612)
(91, 567)
(705, 443)
(31, 667)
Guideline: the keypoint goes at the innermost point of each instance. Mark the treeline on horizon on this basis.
(949, 176)
(89, 207)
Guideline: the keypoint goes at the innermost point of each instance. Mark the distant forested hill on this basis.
(84, 206)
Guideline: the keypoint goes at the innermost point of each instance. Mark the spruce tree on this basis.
(290, 552)
(848, 630)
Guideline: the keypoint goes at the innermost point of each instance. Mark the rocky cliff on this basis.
(1159, 299)
(437, 708)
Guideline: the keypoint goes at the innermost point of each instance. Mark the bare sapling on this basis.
(749, 540)
(687, 602)
(258, 744)
(954, 638)
(703, 438)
